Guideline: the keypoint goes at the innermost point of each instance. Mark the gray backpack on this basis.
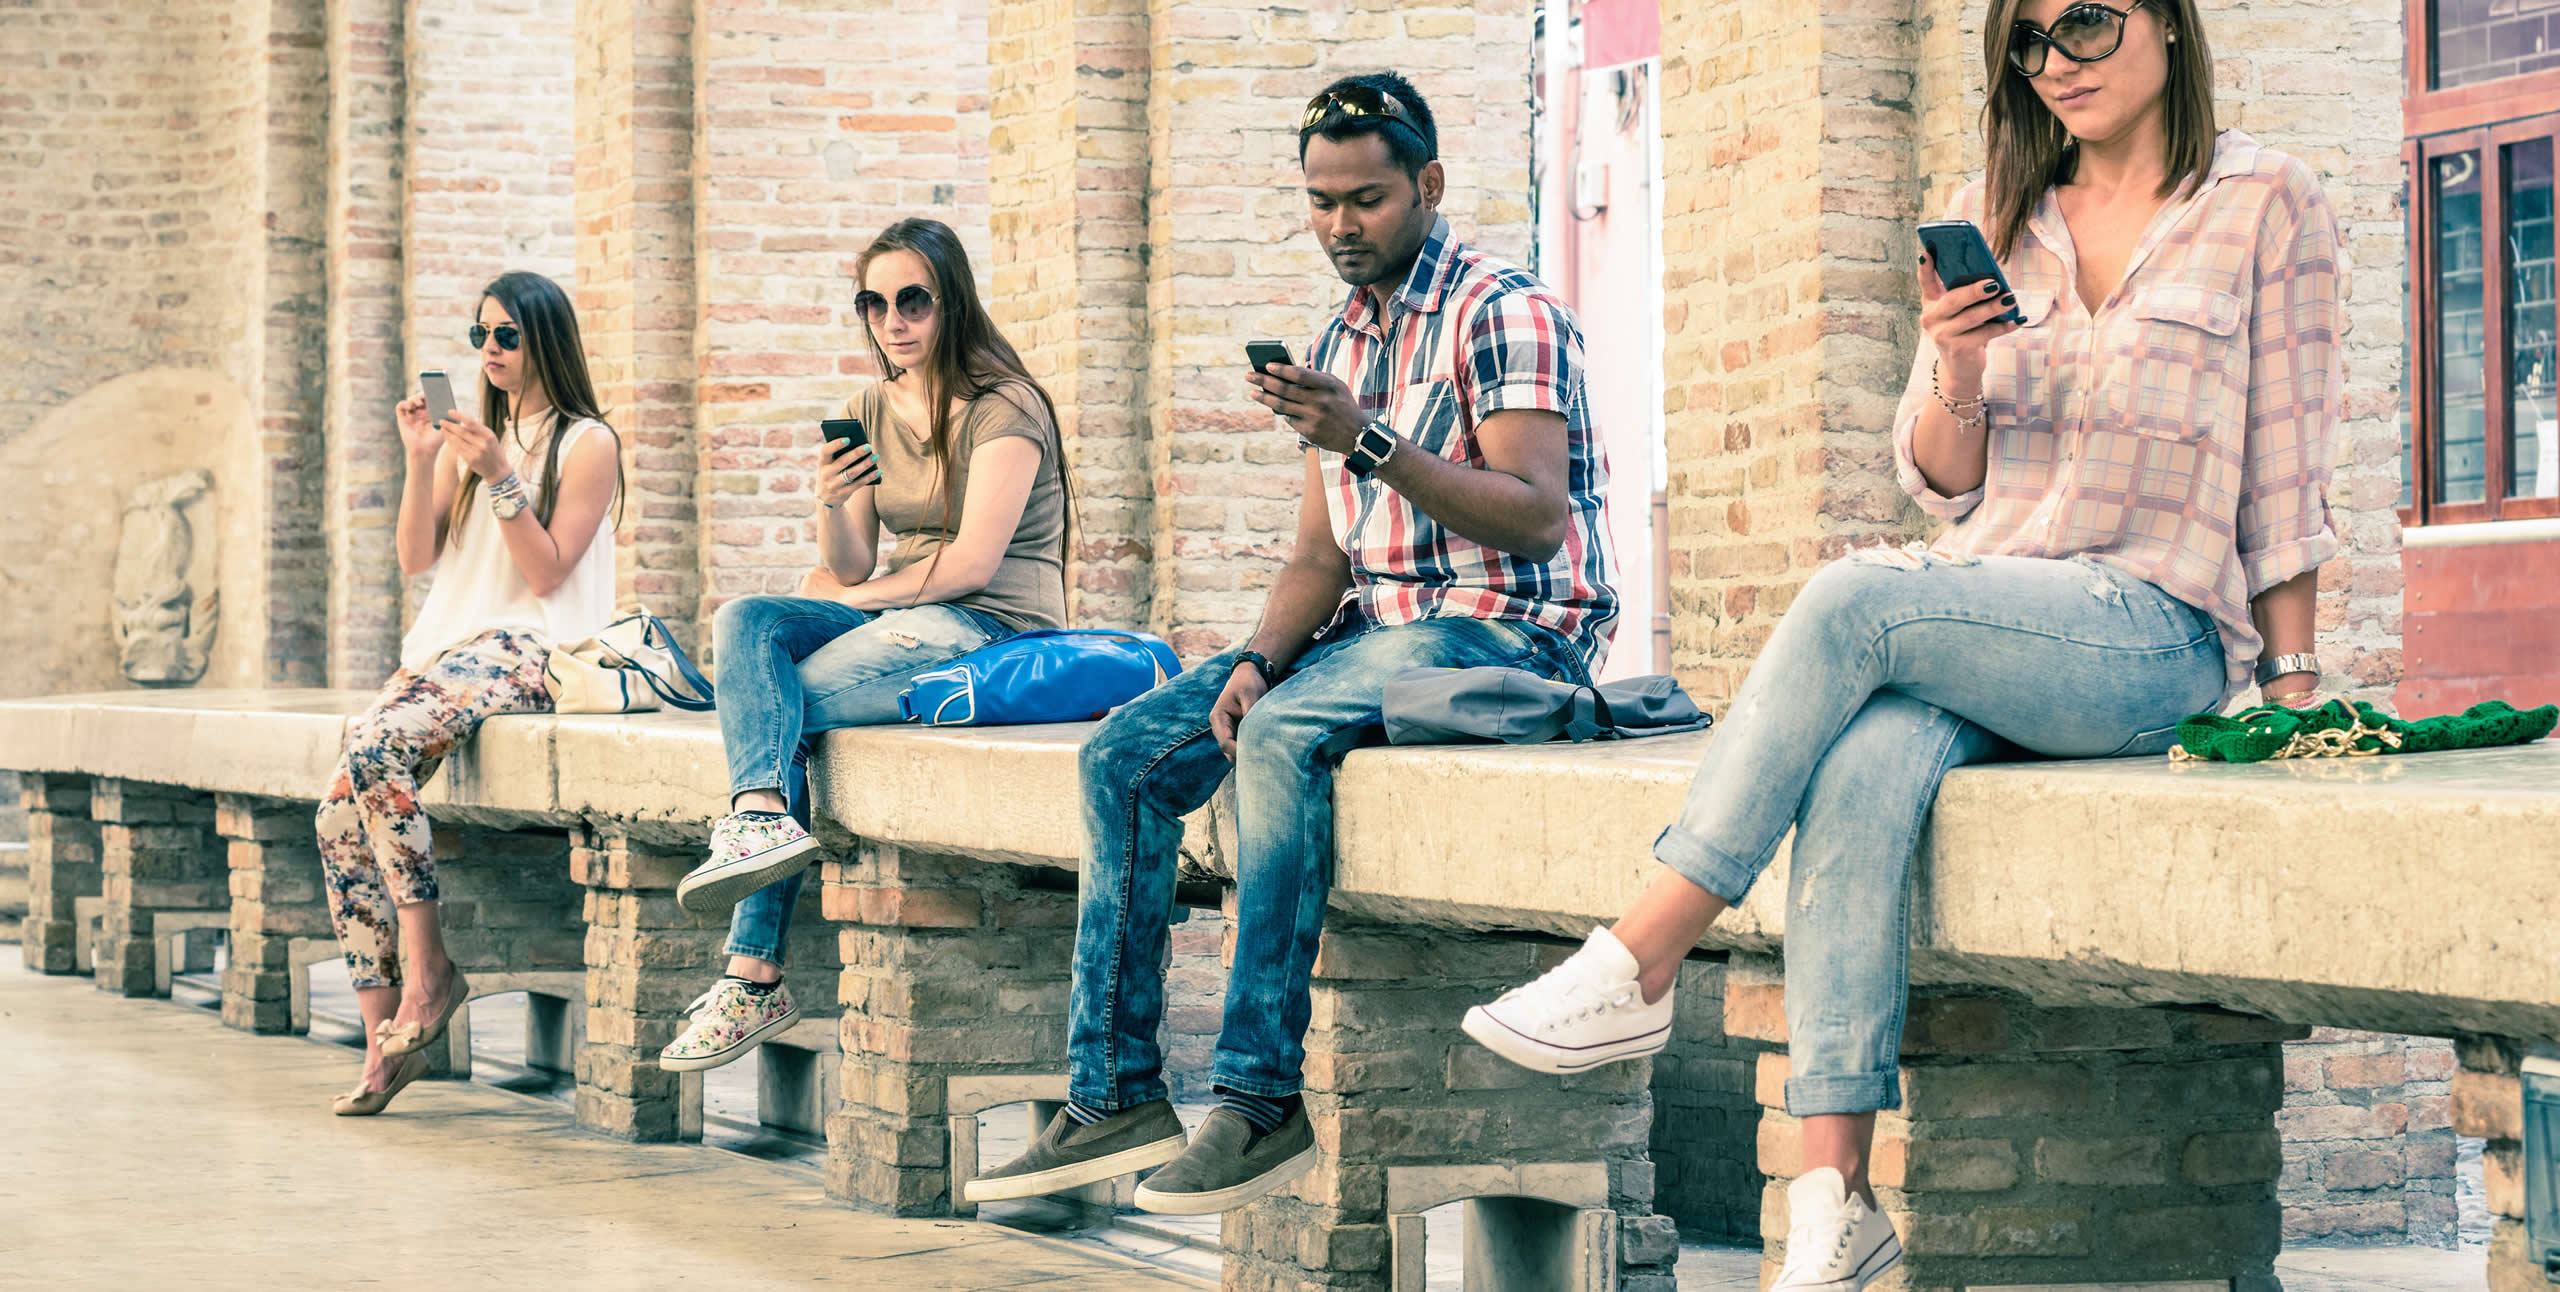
(1462, 706)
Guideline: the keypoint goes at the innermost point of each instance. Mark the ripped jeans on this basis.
(1888, 670)
(791, 667)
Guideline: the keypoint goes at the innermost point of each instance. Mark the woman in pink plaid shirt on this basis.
(2133, 448)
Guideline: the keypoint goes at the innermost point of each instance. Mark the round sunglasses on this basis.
(508, 337)
(915, 304)
(2084, 33)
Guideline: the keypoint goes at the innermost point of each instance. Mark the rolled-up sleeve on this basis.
(2295, 389)
(1523, 351)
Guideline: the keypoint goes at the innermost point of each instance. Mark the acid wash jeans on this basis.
(1154, 761)
(1889, 669)
(791, 667)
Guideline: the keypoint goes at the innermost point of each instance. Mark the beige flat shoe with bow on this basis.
(361, 1102)
(408, 1038)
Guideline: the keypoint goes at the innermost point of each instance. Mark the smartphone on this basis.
(1961, 257)
(439, 394)
(847, 429)
(1263, 354)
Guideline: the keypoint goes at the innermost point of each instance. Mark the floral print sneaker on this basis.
(748, 851)
(728, 1021)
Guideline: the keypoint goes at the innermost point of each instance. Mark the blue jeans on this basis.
(791, 667)
(1154, 761)
(1879, 679)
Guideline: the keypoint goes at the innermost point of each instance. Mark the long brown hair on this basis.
(2027, 150)
(553, 356)
(969, 359)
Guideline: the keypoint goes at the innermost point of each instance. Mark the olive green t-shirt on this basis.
(1029, 588)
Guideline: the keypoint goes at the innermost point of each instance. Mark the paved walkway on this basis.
(147, 1145)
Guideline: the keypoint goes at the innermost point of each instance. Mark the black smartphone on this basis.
(1262, 354)
(439, 393)
(847, 429)
(1961, 257)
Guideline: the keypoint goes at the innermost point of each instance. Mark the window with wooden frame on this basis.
(2481, 417)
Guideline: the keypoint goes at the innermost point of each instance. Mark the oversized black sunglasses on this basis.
(508, 337)
(2084, 33)
(1359, 101)
(915, 304)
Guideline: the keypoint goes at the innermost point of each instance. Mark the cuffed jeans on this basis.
(791, 667)
(1154, 761)
(1879, 679)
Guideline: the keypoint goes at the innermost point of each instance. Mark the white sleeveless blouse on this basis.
(478, 589)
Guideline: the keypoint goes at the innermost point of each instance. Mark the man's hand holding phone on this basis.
(844, 466)
(1319, 407)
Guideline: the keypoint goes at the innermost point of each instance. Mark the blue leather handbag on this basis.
(1045, 675)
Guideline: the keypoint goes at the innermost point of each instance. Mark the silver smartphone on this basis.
(439, 394)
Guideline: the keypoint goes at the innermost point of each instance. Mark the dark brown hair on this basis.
(553, 356)
(2027, 150)
(969, 359)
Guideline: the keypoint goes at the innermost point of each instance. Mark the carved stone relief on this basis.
(167, 599)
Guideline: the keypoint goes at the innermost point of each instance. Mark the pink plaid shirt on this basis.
(2183, 433)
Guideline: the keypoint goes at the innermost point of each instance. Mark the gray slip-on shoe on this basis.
(1069, 1156)
(1226, 1167)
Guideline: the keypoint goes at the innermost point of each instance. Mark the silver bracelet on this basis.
(507, 496)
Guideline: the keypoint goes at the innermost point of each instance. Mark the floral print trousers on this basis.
(376, 851)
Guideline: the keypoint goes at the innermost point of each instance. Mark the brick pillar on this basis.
(952, 968)
(62, 867)
(157, 853)
(2055, 1146)
(293, 359)
(1391, 1083)
(1067, 186)
(1706, 1122)
(2488, 1103)
(2368, 1140)
(362, 377)
(646, 959)
(275, 899)
(635, 280)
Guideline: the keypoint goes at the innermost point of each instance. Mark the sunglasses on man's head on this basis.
(508, 337)
(915, 304)
(1357, 101)
(2084, 33)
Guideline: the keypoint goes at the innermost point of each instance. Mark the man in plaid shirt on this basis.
(1451, 518)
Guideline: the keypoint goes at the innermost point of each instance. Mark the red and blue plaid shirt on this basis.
(1464, 337)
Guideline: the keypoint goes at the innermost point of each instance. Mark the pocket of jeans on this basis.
(2146, 744)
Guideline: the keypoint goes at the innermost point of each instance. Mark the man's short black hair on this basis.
(1410, 148)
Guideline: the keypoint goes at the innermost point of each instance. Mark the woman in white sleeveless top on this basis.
(511, 512)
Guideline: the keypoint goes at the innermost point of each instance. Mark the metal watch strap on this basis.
(2300, 662)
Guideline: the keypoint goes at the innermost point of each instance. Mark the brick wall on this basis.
(1230, 257)
(363, 463)
(814, 129)
(2368, 1140)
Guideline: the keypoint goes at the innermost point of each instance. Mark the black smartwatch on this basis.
(1261, 664)
(1371, 448)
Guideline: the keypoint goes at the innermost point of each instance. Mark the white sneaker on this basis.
(747, 853)
(1835, 1241)
(1583, 1013)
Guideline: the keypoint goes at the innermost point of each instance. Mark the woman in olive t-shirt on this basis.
(963, 470)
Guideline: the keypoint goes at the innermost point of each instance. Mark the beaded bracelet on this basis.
(1965, 421)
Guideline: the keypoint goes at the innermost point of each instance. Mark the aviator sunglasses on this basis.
(1359, 101)
(508, 337)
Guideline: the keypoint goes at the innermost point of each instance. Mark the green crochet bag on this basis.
(2339, 729)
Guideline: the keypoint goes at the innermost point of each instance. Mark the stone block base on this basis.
(646, 959)
(2057, 1146)
(2488, 1103)
(1411, 1114)
(953, 968)
(158, 856)
(275, 901)
(63, 866)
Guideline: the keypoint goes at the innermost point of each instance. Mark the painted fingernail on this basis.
(2008, 300)
(1990, 287)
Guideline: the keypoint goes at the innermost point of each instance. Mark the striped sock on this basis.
(1083, 1116)
(1263, 1112)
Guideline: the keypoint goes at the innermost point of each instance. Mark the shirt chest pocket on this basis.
(2174, 358)
(1425, 414)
